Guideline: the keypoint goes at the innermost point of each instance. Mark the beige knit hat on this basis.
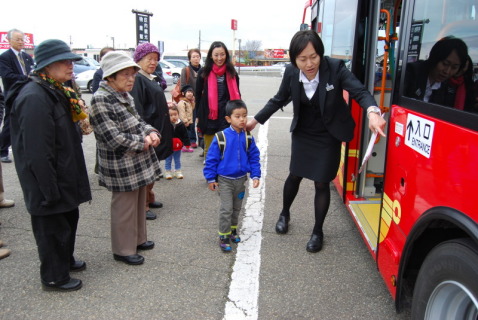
(115, 61)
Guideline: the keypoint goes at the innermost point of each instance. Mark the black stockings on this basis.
(321, 199)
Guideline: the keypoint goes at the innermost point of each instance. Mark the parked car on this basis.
(171, 69)
(85, 79)
(86, 63)
(178, 62)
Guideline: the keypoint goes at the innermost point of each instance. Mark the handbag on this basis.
(176, 92)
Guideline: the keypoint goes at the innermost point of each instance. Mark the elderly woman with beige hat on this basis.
(126, 158)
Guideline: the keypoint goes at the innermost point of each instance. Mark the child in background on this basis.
(180, 138)
(186, 106)
(226, 170)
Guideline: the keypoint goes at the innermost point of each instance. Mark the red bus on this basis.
(413, 201)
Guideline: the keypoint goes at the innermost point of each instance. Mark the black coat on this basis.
(47, 149)
(334, 77)
(150, 102)
(202, 106)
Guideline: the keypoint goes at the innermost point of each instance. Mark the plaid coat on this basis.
(119, 131)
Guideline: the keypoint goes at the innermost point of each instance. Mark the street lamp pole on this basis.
(239, 67)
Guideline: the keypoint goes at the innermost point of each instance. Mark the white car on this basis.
(85, 79)
(171, 69)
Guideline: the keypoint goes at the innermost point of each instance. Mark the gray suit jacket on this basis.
(334, 77)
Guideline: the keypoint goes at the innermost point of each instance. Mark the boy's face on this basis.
(173, 116)
(189, 95)
(238, 119)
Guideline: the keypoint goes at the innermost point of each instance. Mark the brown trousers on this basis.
(128, 221)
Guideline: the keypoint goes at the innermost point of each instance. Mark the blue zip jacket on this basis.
(237, 161)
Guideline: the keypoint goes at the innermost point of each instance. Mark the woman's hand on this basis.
(155, 140)
(255, 183)
(251, 124)
(147, 143)
(376, 123)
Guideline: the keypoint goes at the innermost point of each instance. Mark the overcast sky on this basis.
(177, 23)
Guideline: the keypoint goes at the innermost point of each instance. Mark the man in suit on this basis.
(15, 65)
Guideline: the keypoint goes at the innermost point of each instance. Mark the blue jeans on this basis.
(177, 161)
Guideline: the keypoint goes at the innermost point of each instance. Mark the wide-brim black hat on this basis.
(53, 50)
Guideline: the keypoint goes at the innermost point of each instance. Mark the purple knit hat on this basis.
(143, 49)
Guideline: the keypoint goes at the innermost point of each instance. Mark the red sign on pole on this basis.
(5, 45)
(233, 24)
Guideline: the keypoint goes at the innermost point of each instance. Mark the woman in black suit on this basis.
(321, 121)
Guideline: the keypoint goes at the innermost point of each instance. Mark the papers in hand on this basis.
(368, 153)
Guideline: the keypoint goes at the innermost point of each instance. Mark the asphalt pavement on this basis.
(186, 276)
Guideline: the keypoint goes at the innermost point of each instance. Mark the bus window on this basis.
(443, 54)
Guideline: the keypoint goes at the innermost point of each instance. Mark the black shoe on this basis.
(282, 225)
(156, 205)
(72, 285)
(150, 215)
(148, 245)
(133, 259)
(315, 243)
(78, 266)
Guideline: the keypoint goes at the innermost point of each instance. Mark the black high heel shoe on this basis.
(282, 225)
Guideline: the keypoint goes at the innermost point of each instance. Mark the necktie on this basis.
(22, 63)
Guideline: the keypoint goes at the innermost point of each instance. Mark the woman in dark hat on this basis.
(49, 161)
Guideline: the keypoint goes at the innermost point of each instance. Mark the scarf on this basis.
(212, 89)
(460, 95)
(77, 112)
(195, 68)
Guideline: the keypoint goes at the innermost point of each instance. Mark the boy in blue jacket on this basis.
(232, 155)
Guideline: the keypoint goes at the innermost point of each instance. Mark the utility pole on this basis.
(199, 44)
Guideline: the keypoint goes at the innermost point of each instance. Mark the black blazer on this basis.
(11, 70)
(334, 77)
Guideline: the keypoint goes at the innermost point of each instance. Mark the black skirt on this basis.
(315, 157)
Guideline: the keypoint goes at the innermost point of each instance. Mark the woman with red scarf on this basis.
(217, 83)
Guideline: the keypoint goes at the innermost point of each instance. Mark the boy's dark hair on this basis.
(300, 40)
(233, 105)
(174, 108)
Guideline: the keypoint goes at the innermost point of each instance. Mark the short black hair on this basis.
(444, 47)
(233, 105)
(300, 40)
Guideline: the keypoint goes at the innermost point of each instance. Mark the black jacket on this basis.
(202, 106)
(334, 78)
(47, 149)
(11, 70)
(150, 102)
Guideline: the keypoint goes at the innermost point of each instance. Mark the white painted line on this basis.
(244, 288)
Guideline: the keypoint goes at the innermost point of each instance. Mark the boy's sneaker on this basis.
(234, 237)
(168, 175)
(179, 174)
(225, 243)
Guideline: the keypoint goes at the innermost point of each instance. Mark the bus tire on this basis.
(447, 285)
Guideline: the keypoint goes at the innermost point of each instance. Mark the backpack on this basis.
(176, 92)
(221, 141)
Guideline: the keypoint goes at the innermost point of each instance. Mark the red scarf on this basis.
(212, 89)
(460, 95)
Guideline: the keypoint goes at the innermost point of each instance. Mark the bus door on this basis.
(350, 30)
